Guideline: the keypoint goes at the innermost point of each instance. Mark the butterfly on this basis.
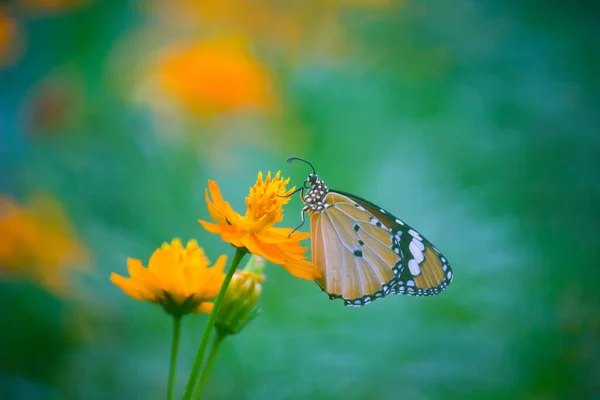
(363, 252)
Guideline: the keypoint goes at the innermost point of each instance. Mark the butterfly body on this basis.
(364, 253)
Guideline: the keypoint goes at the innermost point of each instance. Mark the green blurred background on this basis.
(474, 121)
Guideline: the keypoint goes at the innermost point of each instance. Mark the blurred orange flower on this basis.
(177, 278)
(38, 242)
(213, 76)
(9, 38)
(254, 230)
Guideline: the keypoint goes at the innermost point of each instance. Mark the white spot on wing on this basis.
(416, 251)
(419, 244)
(413, 267)
(414, 234)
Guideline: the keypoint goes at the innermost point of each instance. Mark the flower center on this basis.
(265, 202)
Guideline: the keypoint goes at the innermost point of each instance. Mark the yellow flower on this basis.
(37, 241)
(213, 76)
(177, 278)
(255, 231)
(239, 304)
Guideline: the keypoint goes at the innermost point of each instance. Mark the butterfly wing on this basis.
(364, 253)
(352, 255)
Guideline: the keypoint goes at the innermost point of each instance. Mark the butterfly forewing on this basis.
(353, 264)
(425, 270)
(364, 253)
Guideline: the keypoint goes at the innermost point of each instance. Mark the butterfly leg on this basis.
(304, 209)
(300, 189)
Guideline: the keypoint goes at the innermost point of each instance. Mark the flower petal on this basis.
(205, 307)
(302, 272)
(215, 228)
(220, 263)
(132, 288)
(219, 210)
(281, 235)
(258, 248)
(135, 267)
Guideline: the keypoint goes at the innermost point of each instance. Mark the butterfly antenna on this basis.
(289, 160)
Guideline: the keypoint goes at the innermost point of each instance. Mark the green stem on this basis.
(239, 254)
(174, 350)
(219, 336)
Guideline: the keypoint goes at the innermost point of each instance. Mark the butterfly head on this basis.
(311, 180)
(315, 194)
(316, 190)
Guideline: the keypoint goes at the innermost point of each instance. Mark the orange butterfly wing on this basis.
(364, 253)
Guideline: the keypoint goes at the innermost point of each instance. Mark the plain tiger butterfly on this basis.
(363, 252)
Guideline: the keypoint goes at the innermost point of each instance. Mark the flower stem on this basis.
(219, 336)
(174, 350)
(239, 254)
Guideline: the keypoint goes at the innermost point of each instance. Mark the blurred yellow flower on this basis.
(239, 304)
(177, 278)
(38, 242)
(213, 76)
(254, 230)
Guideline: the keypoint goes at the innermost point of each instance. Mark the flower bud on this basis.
(239, 304)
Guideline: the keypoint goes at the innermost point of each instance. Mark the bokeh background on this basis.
(474, 121)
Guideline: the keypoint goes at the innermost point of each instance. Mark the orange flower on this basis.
(177, 278)
(255, 230)
(213, 76)
(38, 241)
